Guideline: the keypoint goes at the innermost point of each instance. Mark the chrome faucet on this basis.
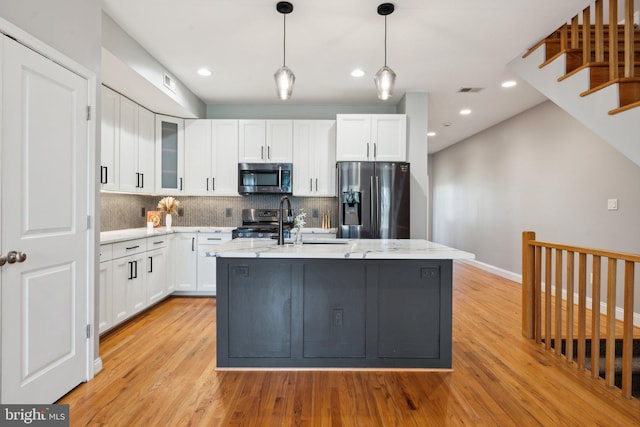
(280, 218)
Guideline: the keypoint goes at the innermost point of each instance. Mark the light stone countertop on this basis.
(339, 248)
(139, 233)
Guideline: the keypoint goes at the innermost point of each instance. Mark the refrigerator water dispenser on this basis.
(351, 208)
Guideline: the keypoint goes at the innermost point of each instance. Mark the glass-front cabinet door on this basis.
(169, 155)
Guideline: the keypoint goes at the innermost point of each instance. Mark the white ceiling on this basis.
(434, 46)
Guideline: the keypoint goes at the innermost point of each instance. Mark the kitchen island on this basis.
(334, 303)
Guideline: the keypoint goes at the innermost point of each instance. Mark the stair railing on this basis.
(546, 266)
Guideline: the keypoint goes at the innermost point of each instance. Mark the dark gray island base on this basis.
(333, 313)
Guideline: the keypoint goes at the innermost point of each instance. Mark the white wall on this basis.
(415, 106)
(540, 171)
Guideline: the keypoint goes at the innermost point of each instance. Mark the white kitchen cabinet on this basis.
(129, 284)
(105, 311)
(211, 157)
(156, 270)
(265, 141)
(186, 261)
(314, 158)
(137, 148)
(110, 137)
(169, 157)
(207, 242)
(156, 275)
(371, 137)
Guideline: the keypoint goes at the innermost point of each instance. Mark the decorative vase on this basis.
(167, 221)
(298, 237)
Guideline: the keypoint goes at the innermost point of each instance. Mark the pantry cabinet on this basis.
(314, 158)
(211, 157)
(371, 137)
(265, 141)
(185, 261)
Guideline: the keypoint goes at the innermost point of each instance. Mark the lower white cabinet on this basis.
(185, 261)
(105, 311)
(207, 242)
(195, 271)
(132, 277)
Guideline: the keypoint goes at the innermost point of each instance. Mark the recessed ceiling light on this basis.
(357, 73)
(465, 112)
(431, 134)
(204, 72)
(509, 83)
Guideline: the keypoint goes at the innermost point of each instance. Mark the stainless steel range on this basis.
(262, 223)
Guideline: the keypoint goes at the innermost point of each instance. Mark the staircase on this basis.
(593, 73)
(635, 390)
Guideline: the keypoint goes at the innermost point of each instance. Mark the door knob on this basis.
(13, 257)
(3, 260)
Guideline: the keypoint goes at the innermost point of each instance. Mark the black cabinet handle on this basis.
(150, 265)
(103, 174)
(193, 243)
(132, 247)
(142, 184)
(213, 184)
(130, 270)
(136, 275)
(207, 184)
(180, 184)
(137, 180)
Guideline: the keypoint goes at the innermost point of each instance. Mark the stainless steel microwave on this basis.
(264, 178)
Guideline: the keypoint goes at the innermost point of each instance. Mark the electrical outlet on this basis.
(314, 213)
(337, 315)
(144, 212)
(180, 211)
(612, 204)
(228, 212)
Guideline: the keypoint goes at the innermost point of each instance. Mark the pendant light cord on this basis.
(284, 41)
(385, 40)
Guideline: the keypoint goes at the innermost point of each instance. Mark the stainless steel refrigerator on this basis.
(373, 200)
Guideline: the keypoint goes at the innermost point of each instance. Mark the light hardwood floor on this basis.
(159, 370)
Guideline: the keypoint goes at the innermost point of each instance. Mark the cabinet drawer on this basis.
(106, 252)
(213, 238)
(129, 247)
(156, 242)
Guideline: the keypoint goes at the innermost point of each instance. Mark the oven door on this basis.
(264, 178)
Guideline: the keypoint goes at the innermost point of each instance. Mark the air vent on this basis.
(470, 89)
(169, 83)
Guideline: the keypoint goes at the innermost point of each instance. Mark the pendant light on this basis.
(385, 78)
(284, 76)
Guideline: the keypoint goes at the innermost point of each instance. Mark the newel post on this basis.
(528, 278)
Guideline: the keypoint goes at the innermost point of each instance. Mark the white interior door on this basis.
(43, 146)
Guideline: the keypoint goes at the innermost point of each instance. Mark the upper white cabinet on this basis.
(137, 148)
(371, 137)
(265, 141)
(169, 155)
(314, 158)
(211, 157)
(110, 137)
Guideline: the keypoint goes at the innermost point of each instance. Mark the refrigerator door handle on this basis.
(372, 215)
(377, 207)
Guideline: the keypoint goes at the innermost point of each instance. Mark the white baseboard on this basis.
(97, 365)
(518, 279)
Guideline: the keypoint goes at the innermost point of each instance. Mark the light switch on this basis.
(612, 204)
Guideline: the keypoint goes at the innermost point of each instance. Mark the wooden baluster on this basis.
(627, 334)
(564, 44)
(599, 35)
(570, 279)
(575, 33)
(613, 40)
(528, 269)
(629, 29)
(559, 256)
(537, 289)
(610, 357)
(586, 35)
(582, 309)
(595, 317)
(547, 298)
